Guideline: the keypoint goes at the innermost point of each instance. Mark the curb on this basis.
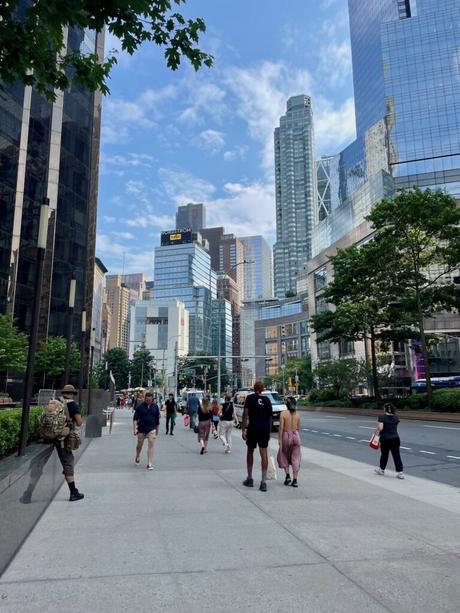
(414, 415)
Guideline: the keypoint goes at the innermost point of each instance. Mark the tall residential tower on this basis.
(295, 177)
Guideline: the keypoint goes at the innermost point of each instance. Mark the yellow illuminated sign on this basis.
(175, 237)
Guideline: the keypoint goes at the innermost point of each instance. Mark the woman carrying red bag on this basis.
(389, 441)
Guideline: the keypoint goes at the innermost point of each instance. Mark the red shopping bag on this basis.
(186, 421)
(374, 442)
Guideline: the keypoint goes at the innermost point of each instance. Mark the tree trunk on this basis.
(429, 387)
(375, 374)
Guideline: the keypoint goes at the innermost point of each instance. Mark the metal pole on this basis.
(69, 329)
(90, 386)
(82, 355)
(219, 373)
(29, 379)
(175, 369)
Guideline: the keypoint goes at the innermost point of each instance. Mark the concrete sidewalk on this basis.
(188, 537)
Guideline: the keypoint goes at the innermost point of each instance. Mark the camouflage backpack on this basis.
(53, 423)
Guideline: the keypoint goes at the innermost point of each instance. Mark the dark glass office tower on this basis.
(49, 150)
(406, 67)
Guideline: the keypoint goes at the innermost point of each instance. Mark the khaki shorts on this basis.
(67, 460)
(150, 436)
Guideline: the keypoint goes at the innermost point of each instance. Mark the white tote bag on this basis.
(272, 473)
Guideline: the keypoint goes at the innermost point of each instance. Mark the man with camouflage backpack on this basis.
(57, 425)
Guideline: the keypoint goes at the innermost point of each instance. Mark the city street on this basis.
(428, 449)
(188, 537)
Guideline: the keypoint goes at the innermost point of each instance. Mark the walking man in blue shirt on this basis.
(193, 404)
(146, 425)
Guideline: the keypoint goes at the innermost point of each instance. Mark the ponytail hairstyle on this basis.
(291, 403)
(389, 408)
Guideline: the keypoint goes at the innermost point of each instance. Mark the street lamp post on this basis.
(29, 378)
(82, 355)
(91, 360)
(71, 306)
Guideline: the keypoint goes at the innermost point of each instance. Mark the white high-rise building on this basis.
(296, 192)
(258, 268)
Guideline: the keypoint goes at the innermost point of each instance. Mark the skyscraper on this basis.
(295, 178)
(49, 150)
(406, 68)
(258, 269)
(118, 297)
(191, 216)
(183, 272)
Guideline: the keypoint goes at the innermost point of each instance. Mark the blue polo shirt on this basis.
(147, 417)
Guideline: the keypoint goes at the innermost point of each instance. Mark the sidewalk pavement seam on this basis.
(305, 543)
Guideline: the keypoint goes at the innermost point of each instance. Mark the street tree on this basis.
(419, 232)
(300, 367)
(202, 372)
(117, 362)
(51, 357)
(342, 376)
(141, 367)
(13, 346)
(363, 302)
(33, 48)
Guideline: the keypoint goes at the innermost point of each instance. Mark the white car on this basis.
(277, 401)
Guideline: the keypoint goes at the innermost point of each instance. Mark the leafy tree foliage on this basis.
(204, 369)
(50, 358)
(299, 366)
(140, 367)
(363, 301)
(420, 233)
(341, 376)
(117, 362)
(33, 49)
(13, 346)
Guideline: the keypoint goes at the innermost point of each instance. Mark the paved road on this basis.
(428, 450)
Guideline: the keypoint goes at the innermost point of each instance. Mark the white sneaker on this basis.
(400, 476)
(149, 467)
(379, 471)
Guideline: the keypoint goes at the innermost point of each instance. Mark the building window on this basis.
(271, 332)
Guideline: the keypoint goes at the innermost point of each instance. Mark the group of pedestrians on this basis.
(209, 416)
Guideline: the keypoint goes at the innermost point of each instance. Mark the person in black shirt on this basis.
(171, 411)
(257, 427)
(227, 417)
(389, 441)
(146, 425)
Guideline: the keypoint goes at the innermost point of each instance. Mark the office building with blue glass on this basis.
(183, 272)
(406, 76)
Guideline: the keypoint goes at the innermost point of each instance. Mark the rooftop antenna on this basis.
(123, 265)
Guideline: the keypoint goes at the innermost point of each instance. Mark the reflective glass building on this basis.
(295, 191)
(258, 275)
(49, 150)
(183, 272)
(406, 74)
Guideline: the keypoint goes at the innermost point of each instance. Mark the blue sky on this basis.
(169, 138)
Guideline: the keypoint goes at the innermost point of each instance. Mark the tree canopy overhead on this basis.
(32, 48)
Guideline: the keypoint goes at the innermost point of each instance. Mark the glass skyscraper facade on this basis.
(222, 332)
(406, 68)
(258, 268)
(183, 272)
(406, 73)
(295, 190)
(49, 149)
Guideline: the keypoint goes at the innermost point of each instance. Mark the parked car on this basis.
(277, 401)
(182, 401)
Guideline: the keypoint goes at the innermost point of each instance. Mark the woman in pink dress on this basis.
(289, 440)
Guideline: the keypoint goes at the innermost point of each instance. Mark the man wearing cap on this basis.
(65, 455)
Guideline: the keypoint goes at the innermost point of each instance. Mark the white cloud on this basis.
(245, 209)
(123, 235)
(262, 92)
(182, 187)
(334, 128)
(120, 115)
(120, 258)
(237, 152)
(128, 160)
(109, 219)
(151, 220)
(212, 140)
(205, 99)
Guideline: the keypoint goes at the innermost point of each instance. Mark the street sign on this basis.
(188, 371)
